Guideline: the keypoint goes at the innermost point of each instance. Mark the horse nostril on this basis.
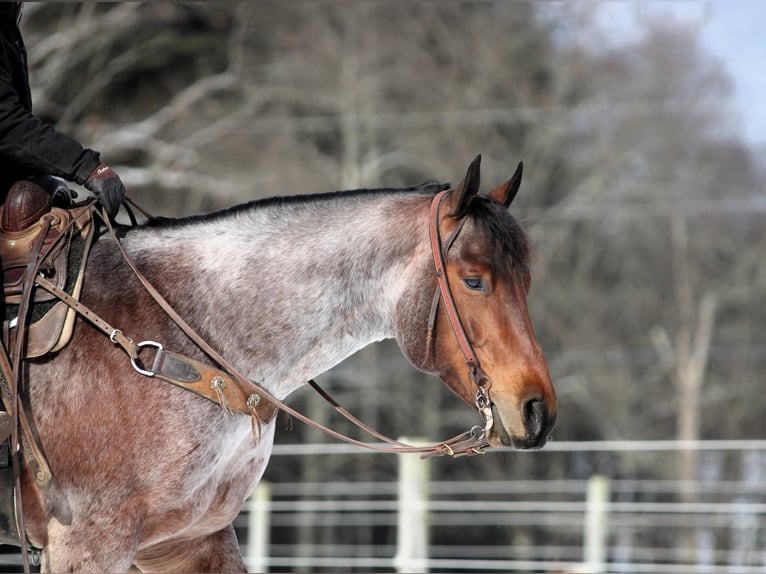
(535, 415)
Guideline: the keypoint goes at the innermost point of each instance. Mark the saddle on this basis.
(31, 225)
(27, 215)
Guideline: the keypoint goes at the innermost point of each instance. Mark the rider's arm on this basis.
(32, 143)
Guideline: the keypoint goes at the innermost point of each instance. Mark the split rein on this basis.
(235, 392)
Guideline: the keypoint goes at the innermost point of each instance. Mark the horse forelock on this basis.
(506, 231)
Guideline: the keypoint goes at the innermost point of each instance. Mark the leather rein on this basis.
(235, 392)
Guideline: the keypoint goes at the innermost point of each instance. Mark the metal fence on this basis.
(712, 524)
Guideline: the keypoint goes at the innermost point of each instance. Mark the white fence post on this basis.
(412, 521)
(258, 529)
(595, 537)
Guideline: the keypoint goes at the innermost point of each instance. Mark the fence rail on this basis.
(590, 525)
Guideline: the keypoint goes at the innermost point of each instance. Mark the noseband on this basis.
(443, 291)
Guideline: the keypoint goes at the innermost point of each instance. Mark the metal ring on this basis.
(140, 345)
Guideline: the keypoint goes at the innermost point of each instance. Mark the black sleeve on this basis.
(34, 144)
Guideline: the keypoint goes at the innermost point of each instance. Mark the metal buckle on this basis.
(133, 360)
(484, 404)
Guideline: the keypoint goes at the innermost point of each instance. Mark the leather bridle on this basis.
(443, 292)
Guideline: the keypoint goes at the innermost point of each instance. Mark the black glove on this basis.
(108, 186)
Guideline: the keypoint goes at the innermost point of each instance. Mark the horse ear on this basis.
(505, 193)
(463, 194)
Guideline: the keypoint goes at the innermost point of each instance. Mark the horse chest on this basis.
(212, 494)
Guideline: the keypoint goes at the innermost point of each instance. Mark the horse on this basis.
(149, 475)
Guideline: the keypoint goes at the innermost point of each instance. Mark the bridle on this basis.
(443, 292)
(235, 392)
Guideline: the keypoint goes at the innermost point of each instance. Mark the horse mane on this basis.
(500, 224)
(425, 188)
(495, 218)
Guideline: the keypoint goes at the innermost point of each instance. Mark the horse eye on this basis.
(475, 283)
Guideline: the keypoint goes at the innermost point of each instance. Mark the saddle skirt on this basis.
(23, 218)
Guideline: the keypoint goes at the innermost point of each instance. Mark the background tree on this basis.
(643, 203)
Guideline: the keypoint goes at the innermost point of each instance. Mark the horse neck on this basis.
(288, 290)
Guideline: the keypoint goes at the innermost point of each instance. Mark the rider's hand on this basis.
(108, 186)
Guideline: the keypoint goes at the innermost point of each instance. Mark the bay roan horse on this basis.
(150, 474)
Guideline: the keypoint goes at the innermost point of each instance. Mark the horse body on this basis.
(148, 473)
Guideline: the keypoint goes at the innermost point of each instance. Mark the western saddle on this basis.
(42, 234)
(62, 235)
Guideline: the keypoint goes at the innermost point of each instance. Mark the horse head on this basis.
(480, 338)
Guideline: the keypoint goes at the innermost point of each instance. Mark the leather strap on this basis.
(115, 335)
(444, 288)
(32, 452)
(21, 434)
(435, 242)
(476, 373)
(211, 383)
(25, 438)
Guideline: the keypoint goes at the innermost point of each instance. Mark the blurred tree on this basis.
(653, 161)
(640, 199)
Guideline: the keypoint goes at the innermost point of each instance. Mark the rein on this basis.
(235, 392)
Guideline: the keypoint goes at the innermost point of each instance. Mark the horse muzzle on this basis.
(534, 423)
